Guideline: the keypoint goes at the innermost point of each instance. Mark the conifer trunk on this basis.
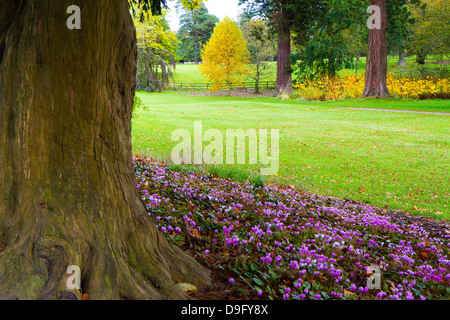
(284, 75)
(376, 65)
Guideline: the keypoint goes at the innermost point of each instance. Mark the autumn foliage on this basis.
(352, 86)
(225, 56)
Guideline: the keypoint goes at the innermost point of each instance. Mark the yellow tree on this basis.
(225, 56)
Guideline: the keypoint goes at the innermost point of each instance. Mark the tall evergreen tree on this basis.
(196, 28)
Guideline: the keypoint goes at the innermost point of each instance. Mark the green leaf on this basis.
(254, 267)
(259, 282)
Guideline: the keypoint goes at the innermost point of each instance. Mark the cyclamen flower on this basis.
(231, 281)
(294, 265)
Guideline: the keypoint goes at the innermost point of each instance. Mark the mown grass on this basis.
(190, 73)
(394, 160)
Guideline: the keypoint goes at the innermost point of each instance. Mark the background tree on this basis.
(285, 16)
(262, 48)
(431, 32)
(325, 51)
(68, 186)
(376, 63)
(355, 39)
(225, 56)
(393, 18)
(196, 28)
(157, 46)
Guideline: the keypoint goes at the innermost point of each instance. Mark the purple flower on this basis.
(231, 281)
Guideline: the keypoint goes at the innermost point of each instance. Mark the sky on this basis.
(219, 8)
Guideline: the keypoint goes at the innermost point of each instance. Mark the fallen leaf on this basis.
(392, 285)
(187, 287)
(424, 254)
(349, 293)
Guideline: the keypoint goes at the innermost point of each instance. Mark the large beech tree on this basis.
(67, 187)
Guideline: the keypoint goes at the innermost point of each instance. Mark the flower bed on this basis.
(275, 242)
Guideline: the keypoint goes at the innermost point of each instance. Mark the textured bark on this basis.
(284, 76)
(376, 65)
(67, 191)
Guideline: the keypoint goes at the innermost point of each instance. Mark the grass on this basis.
(394, 160)
(190, 73)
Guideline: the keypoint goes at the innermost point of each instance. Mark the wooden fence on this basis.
(419, 73)
(245, 86)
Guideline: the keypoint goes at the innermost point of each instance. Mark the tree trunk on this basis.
(376, 65)
(196, 55)
(284, 76)
(421, 57)
(258, 76)
(357, 61)
(68, 194)
(401, 58)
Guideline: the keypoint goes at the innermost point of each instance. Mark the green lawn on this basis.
(389, 159)
(189, 73)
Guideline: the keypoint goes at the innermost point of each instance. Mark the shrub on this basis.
(352, 86)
